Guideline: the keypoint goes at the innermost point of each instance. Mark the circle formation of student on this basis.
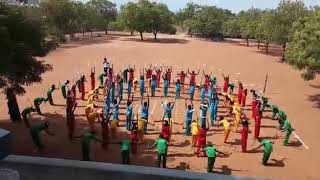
(150, 79)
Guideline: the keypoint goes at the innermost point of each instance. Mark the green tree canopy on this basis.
(105, 11)
(303, 48)
(22, 40)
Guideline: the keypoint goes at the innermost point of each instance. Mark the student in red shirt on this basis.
(206, 79)
(193, 76)
(158, 75)
(182, 77)
(244, 133)
(240, 92)
(131, 73)
(165, 131)
(201, 141)
(257, 124)
(225, 83)
(92, 77)
(244, 98)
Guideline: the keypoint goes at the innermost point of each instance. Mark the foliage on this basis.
(303, 50)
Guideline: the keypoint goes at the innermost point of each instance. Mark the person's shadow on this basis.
(182, 166)
(226, 170)
(277, 163)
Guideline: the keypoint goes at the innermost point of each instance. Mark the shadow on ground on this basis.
(160, 40)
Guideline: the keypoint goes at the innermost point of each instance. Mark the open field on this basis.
(299, 99)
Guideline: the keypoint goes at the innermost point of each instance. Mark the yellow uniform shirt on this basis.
(93, 116)
(113, 124)
(89, 109)
(141, 125)
(194, 128)
(225, 124)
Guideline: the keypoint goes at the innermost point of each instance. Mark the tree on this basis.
(285, 15)
(208, 20)
(22, 40)
(62, 14)
(248, 23)
(161, 19)
(304, 44)
(128, 14)
(186, 14)
(105, 12)
(231, 28)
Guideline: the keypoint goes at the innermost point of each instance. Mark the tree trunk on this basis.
(131, 32)
(267, 47)
(91, 33)
(258, 44)
(82, 32)
(106, 31)
(141, 36)
(284, 50)
(247, 40)
(13, 106)
(155, 35)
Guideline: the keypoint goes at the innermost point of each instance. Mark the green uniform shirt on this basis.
(282, 115)
(162, 145)
(101, 76)
(125, 72)
(231, 85)
(125, 145)
(274, 108)
(27, 111)
(211, 151)
(39, 127)
(267, 145)
(63, 86)
(39, 100)
(50, 90)
(87, 137)
(287, 125)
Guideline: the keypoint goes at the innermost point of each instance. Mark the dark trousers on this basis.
(85, 152)
(125, 155)
(36, 139)
(162, 157)
(211, 161)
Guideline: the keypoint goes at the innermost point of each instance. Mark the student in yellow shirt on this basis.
(197, 94)
(237, 113)
(113, 127)
(89, 109)
(226, 126)
(194, 132)
(92, 118)
(141, 123)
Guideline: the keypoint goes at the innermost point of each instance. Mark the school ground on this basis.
(299, 99)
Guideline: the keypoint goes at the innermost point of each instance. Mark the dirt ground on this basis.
(299, 99)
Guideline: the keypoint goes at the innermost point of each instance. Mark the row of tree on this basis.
(69, 17)
(291, 25)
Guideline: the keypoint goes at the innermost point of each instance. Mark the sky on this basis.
(233, 5)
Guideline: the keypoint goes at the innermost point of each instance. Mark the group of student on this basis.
(112, 87)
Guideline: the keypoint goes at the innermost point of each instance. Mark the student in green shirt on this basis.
(287, 127)
(63, 87)
(267, 150)
(86, 139)
(275, 110)
(37, 101)
(282, 117)
(211, 152)
(162, 147)
(231, 86)
(125, 75)
(36, 129)
(125, 150)
(27, 111)
(49, 94)
(101, 78)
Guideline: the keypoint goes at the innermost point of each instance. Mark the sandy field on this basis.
(299, 99)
